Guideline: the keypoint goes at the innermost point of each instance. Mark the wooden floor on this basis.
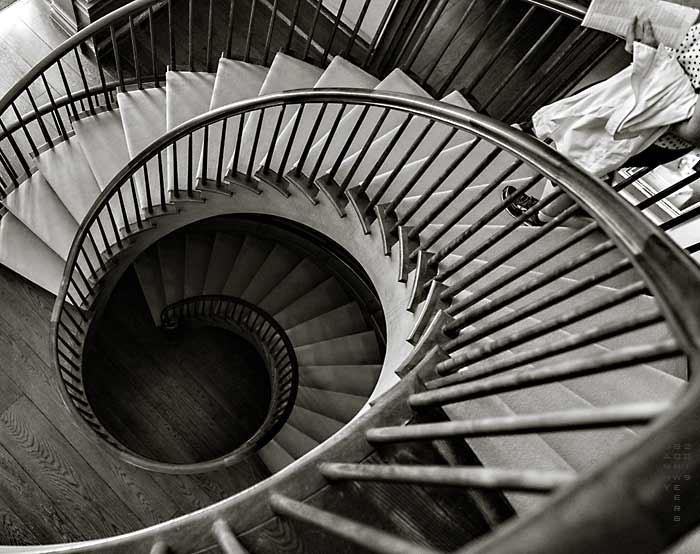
(55, 484)
(181, 396)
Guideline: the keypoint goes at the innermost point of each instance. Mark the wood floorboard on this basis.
(48, 465)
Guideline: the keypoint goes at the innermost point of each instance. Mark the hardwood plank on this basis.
(60, 471)
(31, 505)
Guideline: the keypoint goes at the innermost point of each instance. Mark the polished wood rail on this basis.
(643, 254)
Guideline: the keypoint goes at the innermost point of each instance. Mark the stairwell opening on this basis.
(180, 378)
(185, 395)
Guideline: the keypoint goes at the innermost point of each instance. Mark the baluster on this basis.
(222, 147)
(86, 88)
(190, 168)
(190, 35)
(514, 34)
(573, 315)
(210, 35)
(176, 172)
(508, 229)
(409, 38)
(239, 140)
(147, 186)
(571, 343)
(61, 128)
(171, 35)
(270, 29)
(161, 183)
(473, 203)
(449, 42)
(292, 26)
(427, 31)
(369, 58)
(152, 36)
(556, 61)
(358, 25)
(363, 152)
(135, 201)
(249, 36)
(310, 38)
(40, 119)
(103, 82)
(534, 307)
(311, 140)
(229, 31)
(254, 150)
(67, 89)
(362, 535)
(290, 143)
(561, 270)
(26, 132)
(135, 52)
(329, 140)
(273, 142)
(336, 24)
(472, 47)
(425, 165)
(570, 369)
(18, 152)
(548, 422)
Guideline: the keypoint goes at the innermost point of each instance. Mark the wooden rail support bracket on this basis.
(406, 246)
(431, 306)
(239, 180)
(360, 202)
(432, 337)
(386, 223)
(331, 190)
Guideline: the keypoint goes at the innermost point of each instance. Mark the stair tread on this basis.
(396, 81)
(275, 457)
(582, 450)
(513, 452)
(323, 297)
(38, 207)
(235, 81)
(198, 251)
(358, 379)
(251, 256)
(410, 135)
(144, 119)
(339, 73)
(299, 281)
(336, 405)
(171, 252)
(223, 257)
(279, 262)
(25, 253)
(315, 425)
(349, 349)
(188, 94)
(103, 141)
(286, 73)
(148, 271)
(68, 172)
(344, 320)
(294, 441)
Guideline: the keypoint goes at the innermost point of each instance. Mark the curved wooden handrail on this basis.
(610, 498)
(284, 376)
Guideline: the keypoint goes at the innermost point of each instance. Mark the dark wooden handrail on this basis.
(646, 246)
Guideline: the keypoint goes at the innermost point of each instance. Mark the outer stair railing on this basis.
(611, 503)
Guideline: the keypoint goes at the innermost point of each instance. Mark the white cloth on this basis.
(601, 127)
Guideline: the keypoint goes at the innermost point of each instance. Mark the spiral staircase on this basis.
(466, 382)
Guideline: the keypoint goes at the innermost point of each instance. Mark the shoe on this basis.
(521, 205)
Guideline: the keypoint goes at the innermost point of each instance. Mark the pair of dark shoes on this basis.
(521, 205)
